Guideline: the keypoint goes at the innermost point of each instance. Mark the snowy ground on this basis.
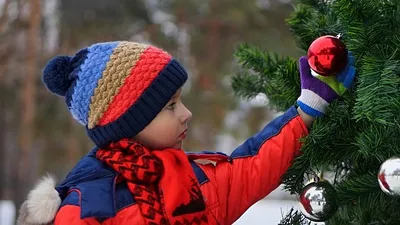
(268, 212)
(7, 213)
(271, 209)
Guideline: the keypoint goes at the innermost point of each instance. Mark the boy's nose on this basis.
(187, 115)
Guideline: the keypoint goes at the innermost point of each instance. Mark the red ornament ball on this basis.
(327, 55)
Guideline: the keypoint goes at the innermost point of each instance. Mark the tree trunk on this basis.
(28, 95)
(208, 82)
(73, 148)
(4, 15)
(3, 184)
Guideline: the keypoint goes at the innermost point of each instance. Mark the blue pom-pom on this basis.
(56, 75)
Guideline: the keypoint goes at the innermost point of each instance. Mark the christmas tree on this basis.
(361, 130)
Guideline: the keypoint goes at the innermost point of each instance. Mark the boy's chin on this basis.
(178, 145)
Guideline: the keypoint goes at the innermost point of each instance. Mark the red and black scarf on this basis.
(162, 182)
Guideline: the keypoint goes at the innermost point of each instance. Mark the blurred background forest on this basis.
(38, 134)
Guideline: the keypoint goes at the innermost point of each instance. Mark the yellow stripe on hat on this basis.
(118, 68)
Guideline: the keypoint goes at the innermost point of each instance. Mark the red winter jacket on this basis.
(230, 184)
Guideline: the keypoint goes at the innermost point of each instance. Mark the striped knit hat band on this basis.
(115, 89)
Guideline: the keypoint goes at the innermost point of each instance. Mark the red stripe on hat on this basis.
(151, 62)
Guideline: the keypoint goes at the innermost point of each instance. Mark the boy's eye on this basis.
(171, 106)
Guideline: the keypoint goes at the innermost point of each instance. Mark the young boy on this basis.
(128, 96)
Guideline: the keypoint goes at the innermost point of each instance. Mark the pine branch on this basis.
(378, 95)
(252, 58)
(294, 218)
(375, 137)
(396, 42)
(349, 11)
(362, 202)
(246, 85)
(276, 77)
(351, 190)
(366, 23)
(285, 85)
(302, 32)
(294, 177)
(372, 209)
(317, 152)
(319, 5)
(309, 22)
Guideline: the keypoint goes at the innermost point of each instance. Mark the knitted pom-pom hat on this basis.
(115, 89)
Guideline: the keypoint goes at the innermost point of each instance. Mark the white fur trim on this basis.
(42, 204)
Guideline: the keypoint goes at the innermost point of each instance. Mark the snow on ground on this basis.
(268, 211)
(7, 212)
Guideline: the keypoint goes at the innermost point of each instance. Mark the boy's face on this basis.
(169, 127)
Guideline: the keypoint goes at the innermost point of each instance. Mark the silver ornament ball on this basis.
(318, 201)
(389, 176)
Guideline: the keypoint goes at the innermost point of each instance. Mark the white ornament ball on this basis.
(389, 176)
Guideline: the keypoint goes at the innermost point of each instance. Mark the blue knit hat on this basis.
(115, 89)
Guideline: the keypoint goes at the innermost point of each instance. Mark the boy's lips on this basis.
(183, 135)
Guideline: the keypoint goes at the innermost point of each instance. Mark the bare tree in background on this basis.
(28, 93)
(9, 31)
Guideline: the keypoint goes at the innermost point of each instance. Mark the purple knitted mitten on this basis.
(318, 91)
